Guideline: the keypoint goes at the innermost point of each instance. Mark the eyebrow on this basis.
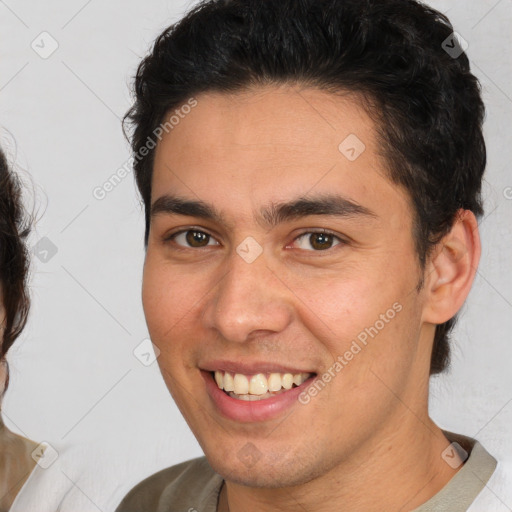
(269, 216)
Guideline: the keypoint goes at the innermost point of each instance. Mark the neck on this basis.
(400, 470)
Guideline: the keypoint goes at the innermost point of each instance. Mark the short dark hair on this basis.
(426, 103)
(14, 260)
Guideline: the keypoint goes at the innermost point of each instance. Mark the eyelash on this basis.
(172, 236)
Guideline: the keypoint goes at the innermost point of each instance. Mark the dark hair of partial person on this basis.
(14, 260)
(427, 105)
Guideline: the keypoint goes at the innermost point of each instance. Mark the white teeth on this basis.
(274, 382)
(219, 380)
(257, 386)
(241, 384)
(253, 398)
(287, 381)
(247, 398)
(229, 383)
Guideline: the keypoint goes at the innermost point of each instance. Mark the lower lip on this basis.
(252, 411)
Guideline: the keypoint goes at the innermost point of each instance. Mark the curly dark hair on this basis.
(425, 101)
(14, 260)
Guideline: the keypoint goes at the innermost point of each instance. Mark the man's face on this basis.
(260, 291)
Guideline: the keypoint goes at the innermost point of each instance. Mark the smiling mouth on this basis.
(259, 386)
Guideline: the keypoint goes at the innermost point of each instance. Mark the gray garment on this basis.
(461, 491)
(193, 486)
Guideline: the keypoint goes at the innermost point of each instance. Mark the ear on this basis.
(451, 269)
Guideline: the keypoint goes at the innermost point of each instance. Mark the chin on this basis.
(265, 472)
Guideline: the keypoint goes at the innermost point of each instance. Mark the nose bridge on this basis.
(248, 299)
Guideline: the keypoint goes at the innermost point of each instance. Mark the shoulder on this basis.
(50, 458)
(70, 476)
(191, 484)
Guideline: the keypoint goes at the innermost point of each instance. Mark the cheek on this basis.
(154, 300)
(160, 299)
(369, 318)
(173, 299)
(342, 303)
(165, 306)
(167, 296)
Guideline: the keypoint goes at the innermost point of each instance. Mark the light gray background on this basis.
(74, 377)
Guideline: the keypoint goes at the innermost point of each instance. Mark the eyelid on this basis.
(184, 229)
(312, 231)
(169, 237)
(306, 231)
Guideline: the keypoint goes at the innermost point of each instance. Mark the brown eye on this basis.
(319, 241)
(197, 238)
(193, 238)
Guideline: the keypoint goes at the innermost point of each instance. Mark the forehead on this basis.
(284, 120)
(272, 143)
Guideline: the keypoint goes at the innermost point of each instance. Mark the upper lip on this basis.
(251, 367)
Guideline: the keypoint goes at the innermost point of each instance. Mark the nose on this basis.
(249, 301)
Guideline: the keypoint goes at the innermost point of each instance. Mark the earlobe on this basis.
(452, 269)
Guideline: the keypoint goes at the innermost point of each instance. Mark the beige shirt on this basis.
(193, 486)
(16, 464)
